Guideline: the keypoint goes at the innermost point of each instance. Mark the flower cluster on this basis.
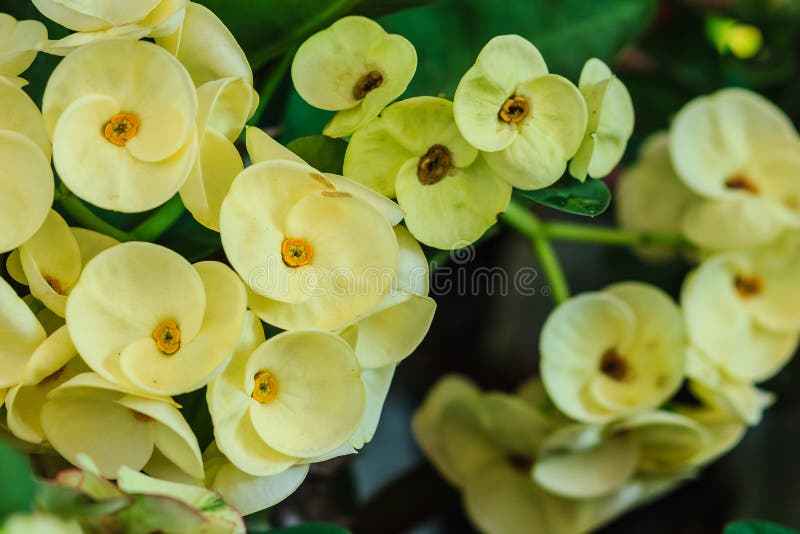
(110, 331)
(608, 425)
(452, 164)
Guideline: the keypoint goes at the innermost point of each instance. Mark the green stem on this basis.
(35, 305)
(271, 84)
(610, 236)
(335, 10)
(160, 221)
(521, 219)
(77, 210)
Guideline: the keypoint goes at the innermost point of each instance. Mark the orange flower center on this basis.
(168, 337)
(514, 109)
(121, 128)
(265, 388)
(296, 252)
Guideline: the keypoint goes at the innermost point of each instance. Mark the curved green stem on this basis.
(335, 10)
(610, 236)
(77, 210)
(521, 219)
(271, 84)
(160, 221)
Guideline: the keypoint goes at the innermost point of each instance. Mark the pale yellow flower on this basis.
(18, 42)
(143, 317)
(146, 144)
(23, 334)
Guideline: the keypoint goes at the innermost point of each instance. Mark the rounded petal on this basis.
(320, 399)
(512, 424)
(51, 260)
(393, 213)
(373, 157)
(376, 385)
(49, 357)
(249, 494)
(261, 147)
(21, 334)
(201, 358)
(14, 267)
(24, 203)
(88, 16)
(506, 62)
(128, 184)
(548, 137)
(150, 284)
(225, 105)
(18, 44)
(91, 243)
(18, 112)
(455, 211)
(731, 223)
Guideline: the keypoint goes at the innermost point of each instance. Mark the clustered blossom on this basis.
(109, 333)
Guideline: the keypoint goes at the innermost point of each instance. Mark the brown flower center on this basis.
(748, 286)
(520, 462)
(514, 109)
(434, 165)
(168, 337)
(141, 417)
(121, 128)
(265, 388)
(614, 366)
(55, 285)
(296, 252)
(742, 183)
(370, 81)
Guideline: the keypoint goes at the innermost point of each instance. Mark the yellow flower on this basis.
(312, 255)
(23, 335)
(40, 523)
(285, 401)
(650, 196)
(610, 122)
(25, 151)
(96, 20)
(613, 353)
(116, 428)
(146, 144)
(743, 309)
(741, 154)
(18, 42)
(353, 67)
(143, 317)
(529, 122)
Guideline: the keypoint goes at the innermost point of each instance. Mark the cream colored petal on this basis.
(78, 20)
(512, 424)
(172, 434)
(127, 184)
(504, 63)
(70, 43)
(394, 332)
(413, 270)
(262, 147)
(18, 112)
(777, 307)
(203, 192)
(20, 334)
(201, 358)
(24, 203)
(51, 261)
(393, 213)
(573, 341)
(14, 267)
(376, 385)
(374, 158)
(320, 399)
(548, 137)
(150, 285)
(18, 41)
(91, 243)
(732, 223)
(49, 357)
(224, 105)
(455, 211)
(207, 48)
(250, 494)
(99, 427)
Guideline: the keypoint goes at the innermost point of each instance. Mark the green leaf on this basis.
(72, 503)
(16, 478)
(312, 528)
(590, 198)
(289, 22)
(753, 526)
(321, 152)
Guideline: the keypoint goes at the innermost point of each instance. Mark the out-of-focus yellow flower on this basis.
(650, 196)
(116, 427)
(741, 154)
(610, 123)
(39, 523)
(613, 353)
(96, 20)
(528, 121)
(353, 67)
(170, 326)
(18, 43)
(146, 144)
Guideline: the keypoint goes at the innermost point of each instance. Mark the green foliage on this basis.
(17, 481)
(68, 502)
(753, 526)
(323, 153)
(311, 528)
(590, 198)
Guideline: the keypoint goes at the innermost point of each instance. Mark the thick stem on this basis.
(610, 236)
(77, 210)
(160, 221)
(518, 217)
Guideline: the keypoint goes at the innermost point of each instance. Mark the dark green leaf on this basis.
(753, 526)
(17, 480)
(590, 198)
(311, 528)
(321, 152)
(191, 239)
